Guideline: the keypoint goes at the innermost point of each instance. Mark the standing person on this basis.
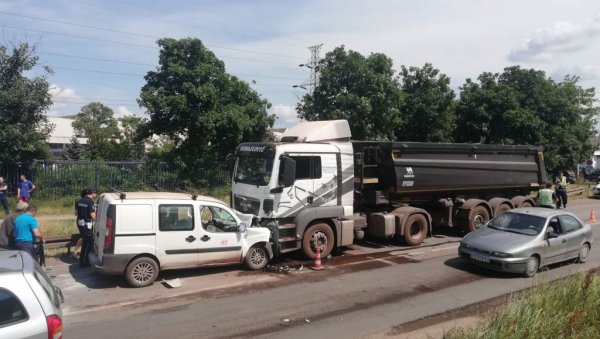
(4, 195)
(561, 190)
(24, 189)
(86, 214)
(547, 197)
(26, 231)
(7, 230)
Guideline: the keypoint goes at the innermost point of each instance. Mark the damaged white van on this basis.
(140, 233)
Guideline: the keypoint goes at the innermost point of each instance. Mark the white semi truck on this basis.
(316, 188)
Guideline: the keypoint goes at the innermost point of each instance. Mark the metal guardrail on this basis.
(60, 241)
(575, 191)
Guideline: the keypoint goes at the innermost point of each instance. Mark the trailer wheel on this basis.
(525, 204)
(478, 218)
(501, 209)
(415, 229)
(317, 235)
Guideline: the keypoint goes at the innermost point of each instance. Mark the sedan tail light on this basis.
(54, 326)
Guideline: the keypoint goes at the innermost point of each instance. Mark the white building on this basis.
(60, 138)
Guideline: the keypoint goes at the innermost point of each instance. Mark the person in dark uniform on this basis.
(86, 214)
(3, 195)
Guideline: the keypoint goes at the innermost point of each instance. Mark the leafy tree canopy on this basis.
(428, 109)
(96, 122)
(523, 106)
(23, 102)
(359, 89)
(193, 101)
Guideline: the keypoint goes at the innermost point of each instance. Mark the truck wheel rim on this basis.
(143, 272)
(257, 256)
(319, 239)
(479, 221)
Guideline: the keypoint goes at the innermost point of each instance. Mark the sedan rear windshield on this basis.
(518, 223)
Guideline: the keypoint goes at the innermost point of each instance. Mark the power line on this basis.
(152, 65)
(140, 74)
(195, 21)
(129, 33)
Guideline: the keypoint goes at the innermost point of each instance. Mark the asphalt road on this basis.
(359, 294)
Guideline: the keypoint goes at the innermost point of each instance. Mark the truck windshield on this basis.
(253, 170)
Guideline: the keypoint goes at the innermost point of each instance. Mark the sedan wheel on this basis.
(583, 253)
(533, 264)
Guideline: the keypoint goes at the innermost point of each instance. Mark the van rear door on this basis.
(100, 231)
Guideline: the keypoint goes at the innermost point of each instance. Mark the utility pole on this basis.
(313, 64)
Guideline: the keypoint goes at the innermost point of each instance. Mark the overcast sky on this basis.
(100, 50)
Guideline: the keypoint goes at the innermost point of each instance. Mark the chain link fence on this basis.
(56, 179)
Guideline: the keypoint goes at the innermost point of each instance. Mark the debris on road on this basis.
(285, 322)
(172, 283)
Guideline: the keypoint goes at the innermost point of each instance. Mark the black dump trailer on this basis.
(415, 186)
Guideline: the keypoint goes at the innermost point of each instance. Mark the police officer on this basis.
(86, 214)
(561, 190)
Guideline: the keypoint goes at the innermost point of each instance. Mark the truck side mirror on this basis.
(289, 171)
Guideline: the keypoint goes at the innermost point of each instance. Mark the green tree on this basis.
(130, 137)
(96, 122)
(359, 89)
(523, 106)
(23, 102)
(74, 150)
(428, 109)
(205, 111)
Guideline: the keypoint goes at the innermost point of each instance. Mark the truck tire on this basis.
(415, 229)
(477, 218)
(141, 272)
(525, 204)
(318, 233)
(501, 209)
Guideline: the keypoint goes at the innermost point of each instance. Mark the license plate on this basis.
(480, 258)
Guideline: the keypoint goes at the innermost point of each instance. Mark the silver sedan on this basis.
(524, 239)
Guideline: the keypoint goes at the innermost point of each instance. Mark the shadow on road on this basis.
(459, 264)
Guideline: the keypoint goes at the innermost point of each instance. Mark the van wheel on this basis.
(141, 272)
(317, 235)
(256, 258)
(415, 229)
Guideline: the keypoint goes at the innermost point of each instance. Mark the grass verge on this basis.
(568, 308)
(58, 227)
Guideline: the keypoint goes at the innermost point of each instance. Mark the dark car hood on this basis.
(489, 239)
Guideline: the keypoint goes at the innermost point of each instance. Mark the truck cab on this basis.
(301, 186)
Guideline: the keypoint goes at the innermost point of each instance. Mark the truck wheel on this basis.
(415, 229)
(141, 272)
(479, 217)
(317, 235)
(501, 209)
(256, 258)
(525, 204)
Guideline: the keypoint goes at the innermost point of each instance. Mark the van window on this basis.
(12, 310)
(176, 217)
(216, 220)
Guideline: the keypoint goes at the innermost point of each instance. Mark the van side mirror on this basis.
(241, 227)
(289, 171)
